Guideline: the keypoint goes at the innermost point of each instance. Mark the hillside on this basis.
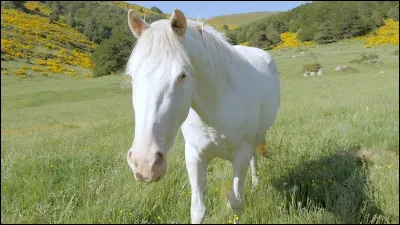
(139, 9)
(322, 22)
(45, 47)
(54, 38)
(233, 21)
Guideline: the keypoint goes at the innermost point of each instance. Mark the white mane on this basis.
(158, 46)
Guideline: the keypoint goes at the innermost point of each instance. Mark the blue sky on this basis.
(206, 9)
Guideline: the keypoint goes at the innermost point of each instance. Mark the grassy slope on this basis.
(137, 8)
(235, 20)
(64, 145)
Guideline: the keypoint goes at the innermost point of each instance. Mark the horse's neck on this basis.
(207, 91)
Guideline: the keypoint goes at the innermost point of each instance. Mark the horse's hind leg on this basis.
(253, 166)
(240, 167)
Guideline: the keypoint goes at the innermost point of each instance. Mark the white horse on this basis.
(185, 74)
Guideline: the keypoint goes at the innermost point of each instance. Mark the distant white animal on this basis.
(319, 71)
(312, 73)
(338, 68)
(224, 98)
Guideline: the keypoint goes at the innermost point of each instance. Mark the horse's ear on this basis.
(136, 24)
(178, 22)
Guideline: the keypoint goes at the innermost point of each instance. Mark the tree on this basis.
(55, 12)
(306, 33)
(153, 17)
(393, 12)
(89, 28)
(324, 34)
(225, 27)
(157, 10)
(113, 54)
(20, 5)
(231, 36)
(378, 17)
(70, 20)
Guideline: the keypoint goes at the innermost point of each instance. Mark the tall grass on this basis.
(64, 143)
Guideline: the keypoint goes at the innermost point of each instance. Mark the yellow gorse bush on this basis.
(36, 68)
(386, 34)
(289, 40)
(16, 48)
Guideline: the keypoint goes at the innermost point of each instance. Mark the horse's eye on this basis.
(181, 77)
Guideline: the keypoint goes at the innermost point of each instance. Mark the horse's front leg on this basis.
(240, 167)
(197, 171)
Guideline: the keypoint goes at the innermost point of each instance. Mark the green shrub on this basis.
(371, 58)
(311, 67)
(231, 36)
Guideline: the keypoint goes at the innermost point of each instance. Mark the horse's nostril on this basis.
(159, 158)
(138, 176)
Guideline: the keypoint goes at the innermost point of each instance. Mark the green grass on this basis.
(64, 143)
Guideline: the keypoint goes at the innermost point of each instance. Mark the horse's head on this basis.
(161, 92)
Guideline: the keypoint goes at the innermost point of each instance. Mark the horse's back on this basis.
(264, 64)
(260, 60)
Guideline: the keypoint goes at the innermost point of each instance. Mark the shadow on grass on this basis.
(337, 183)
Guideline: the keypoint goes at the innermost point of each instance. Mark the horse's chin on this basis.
(150, 180)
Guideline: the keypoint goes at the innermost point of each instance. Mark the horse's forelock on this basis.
(158, 47)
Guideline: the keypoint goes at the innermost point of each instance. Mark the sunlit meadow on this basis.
(332, 154)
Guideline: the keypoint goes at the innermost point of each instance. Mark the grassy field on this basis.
(64, 143)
